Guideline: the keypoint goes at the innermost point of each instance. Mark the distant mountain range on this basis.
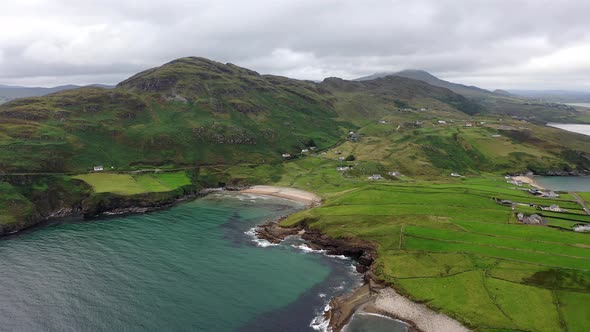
(8, 92)
(556, 96)
(424, 76)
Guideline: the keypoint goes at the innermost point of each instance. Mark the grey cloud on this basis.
(489, 43)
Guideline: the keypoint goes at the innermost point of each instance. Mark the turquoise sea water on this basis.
(565, 183)
(189, 268)
(576, 128)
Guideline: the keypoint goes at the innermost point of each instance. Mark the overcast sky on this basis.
(492, 44)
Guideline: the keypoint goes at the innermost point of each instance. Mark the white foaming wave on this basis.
(259, 242)
(249, 197)
(339, 256)
(322, 295)
(320, 323)
(305, 248)
(252, 197)
(340, 287)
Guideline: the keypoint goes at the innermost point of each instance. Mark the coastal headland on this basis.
(374, 296)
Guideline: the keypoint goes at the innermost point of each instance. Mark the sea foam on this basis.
(320, 323)
(259, 242)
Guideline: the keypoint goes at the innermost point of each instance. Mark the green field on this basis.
(452, 246)
(128, 184)
(440, 239)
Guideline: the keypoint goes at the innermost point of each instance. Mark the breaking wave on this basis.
(320, 323)
(259, 242)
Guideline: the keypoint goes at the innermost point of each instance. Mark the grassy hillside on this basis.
(193, 123)
(421, 75)
(194, 111)
(8, 93)
(499, 101)
(447, 243)
(243, 117)
(452, 247)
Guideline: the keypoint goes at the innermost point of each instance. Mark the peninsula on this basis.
(417, 181)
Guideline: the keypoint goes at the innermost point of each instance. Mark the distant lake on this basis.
(576, 128)
(565, 183)
(579, 104)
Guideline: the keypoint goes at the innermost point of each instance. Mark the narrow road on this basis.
(581, 202)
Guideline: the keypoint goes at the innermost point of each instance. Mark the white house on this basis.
(304, 151)
(286, 155)
(98, 168)
(375, 177)
(457, 175)
(442, 122)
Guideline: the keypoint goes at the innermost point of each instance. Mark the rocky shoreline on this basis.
(341, 308)
(375, 296)
(111, 205)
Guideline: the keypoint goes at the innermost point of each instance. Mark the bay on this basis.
(573, 127)
(189, 268)
(565, 183)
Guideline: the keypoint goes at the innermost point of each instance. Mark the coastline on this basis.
(310, 199)
(374, 296)
(108, 204)
(529, 180)
(390, 303)
(112, 206)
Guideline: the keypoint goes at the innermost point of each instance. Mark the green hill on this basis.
(201, 117)
(8, 92)
(424, 76)
(195, 111)
(497, 102)
(190, 111)
(168, 132)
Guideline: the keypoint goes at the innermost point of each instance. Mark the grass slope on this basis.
(452, 246)
(128, 184)
(446, 241)
(439, 239)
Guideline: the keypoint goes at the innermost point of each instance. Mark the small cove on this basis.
(189, 267)
(573, 127)
(565, 183)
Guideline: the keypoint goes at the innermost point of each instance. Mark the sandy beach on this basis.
(528, 180)
(389, 302)
(302, 196)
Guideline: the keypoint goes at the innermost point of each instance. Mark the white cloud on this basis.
(497, 43)
(570, 59)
